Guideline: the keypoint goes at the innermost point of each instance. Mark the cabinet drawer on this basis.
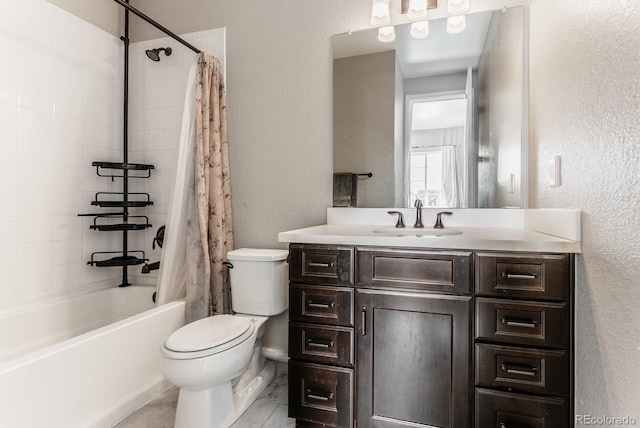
(322, 344)
(527, 276)
(414, 270)
(508, 410)
(522, 322)
(315, 264)
(521, 369)
(321, 304)
(321, 394)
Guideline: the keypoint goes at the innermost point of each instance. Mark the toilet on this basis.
(217, 361)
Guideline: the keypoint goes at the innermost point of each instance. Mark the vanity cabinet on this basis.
(413, 338)
(523, 340)
(397, 337)
(321, 335)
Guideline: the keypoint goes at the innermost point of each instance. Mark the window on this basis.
(425, 172)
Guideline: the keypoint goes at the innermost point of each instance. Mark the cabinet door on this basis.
(413, 360)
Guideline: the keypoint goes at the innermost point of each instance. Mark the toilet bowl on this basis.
(217, 361)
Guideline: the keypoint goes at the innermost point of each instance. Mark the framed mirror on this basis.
(443, 119)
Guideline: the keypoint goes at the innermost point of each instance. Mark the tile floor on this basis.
(268, 411)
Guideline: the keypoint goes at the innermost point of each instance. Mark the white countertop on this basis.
(471, 238)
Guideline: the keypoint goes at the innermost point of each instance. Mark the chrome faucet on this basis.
(418, 206)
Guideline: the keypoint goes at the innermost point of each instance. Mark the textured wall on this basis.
(585, 97)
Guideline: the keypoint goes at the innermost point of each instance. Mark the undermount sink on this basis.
(410, 231)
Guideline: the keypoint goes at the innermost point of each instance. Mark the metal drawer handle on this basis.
(517, 275)
(320, 305)
(320, 343)
(525, 371)
(519, 323)
(319, 395)
(321, 264)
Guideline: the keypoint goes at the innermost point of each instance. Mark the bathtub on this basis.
(88, 361)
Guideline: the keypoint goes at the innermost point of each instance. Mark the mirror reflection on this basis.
(440, 119)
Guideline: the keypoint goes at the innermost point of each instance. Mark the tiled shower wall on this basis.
(61, 107)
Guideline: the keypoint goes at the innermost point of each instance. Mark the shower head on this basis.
(154, 54)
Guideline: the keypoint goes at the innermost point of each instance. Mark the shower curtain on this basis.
(207, 225)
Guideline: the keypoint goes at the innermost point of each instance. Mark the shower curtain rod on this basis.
(156, 24)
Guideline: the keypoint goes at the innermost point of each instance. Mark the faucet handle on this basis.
(439, 224)
(399, 223)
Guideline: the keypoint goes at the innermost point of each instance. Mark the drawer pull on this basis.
(321, 264)
(519, 323)
(320, 343)
(517, 276)
(319, 395)
(322, 305)
(525, 371)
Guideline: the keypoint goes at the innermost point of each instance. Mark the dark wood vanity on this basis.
(399, 337)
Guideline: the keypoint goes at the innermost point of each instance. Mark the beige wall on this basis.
(364, 125)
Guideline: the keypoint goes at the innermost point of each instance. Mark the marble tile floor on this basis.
(268, 411)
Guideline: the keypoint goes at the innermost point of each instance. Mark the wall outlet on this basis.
(554, 171)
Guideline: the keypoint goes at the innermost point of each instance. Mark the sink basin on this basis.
(410, 231)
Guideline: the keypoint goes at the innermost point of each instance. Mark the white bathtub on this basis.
(84, 362)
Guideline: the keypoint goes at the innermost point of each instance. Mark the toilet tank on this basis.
(259, 281)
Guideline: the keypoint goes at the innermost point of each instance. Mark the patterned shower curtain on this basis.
(209, 222)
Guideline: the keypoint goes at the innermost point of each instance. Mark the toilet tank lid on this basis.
(257, 254)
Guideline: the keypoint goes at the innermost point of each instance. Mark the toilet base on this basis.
(251, 389)
(221, 405)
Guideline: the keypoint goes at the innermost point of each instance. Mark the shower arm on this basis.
(141, 15)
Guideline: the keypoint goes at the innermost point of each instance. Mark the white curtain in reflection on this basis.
(450, 182)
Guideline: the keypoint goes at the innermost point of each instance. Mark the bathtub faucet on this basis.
(148, 267)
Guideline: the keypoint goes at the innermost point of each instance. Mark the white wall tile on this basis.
(34, 229)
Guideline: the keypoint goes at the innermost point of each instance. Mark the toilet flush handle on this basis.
(228, 264)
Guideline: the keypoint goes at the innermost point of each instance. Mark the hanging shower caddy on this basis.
(122, 221)
(125, 199)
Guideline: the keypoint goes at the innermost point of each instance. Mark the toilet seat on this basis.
(208, 336)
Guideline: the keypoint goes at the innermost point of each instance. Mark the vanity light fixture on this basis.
(417, 10)
(380, 13)
(456, 24)
(414, 10)
(457, 7)
(386, 34)
(420, 30)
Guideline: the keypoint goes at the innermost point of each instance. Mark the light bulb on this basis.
(417, 10)
(386, 34)
(380, 14)
(455, 7)
(420, 30)
(456, 24)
